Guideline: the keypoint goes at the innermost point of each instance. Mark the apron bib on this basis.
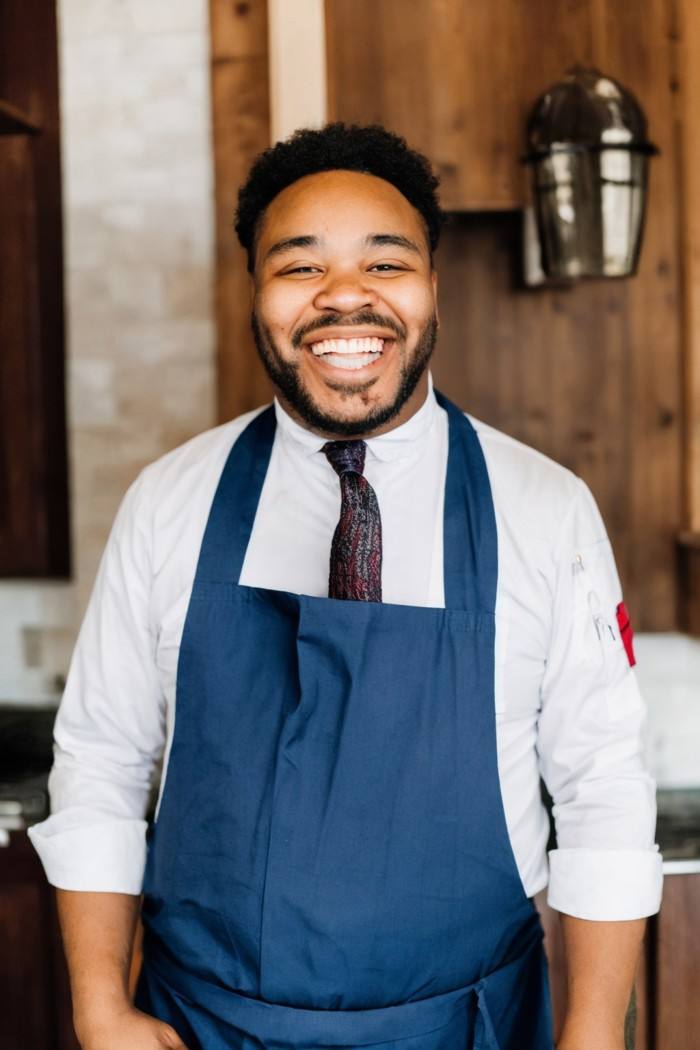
(331, 866)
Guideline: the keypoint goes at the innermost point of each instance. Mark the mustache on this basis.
(365, 318)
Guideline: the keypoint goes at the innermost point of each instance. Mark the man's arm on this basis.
(605, 873)
(109, 735)
(98, 937)
(602, 960)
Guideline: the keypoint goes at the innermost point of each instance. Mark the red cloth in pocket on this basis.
(626, 632)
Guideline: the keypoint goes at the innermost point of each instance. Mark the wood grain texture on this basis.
(688, 14)
(456, 78)
(36, 1005)
(678, 965)
(689, 575)
(34, 537)
(591, 375)
(241, 128)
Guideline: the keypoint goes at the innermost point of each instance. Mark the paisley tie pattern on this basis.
(356, 550)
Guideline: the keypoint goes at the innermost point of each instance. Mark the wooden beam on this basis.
(241, 129)
(297, 38)
(688, 14)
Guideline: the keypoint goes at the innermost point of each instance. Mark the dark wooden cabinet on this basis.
(677, 966)
(33, 473)
(36, 1010)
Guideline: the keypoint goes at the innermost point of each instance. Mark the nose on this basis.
(344, 293)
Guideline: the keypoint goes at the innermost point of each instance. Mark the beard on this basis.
(286, 378)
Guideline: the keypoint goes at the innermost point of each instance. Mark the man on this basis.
(358, 624)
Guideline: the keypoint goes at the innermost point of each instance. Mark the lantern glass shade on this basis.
(589, 159)
(590, 212)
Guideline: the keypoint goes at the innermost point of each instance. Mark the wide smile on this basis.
(350, 355)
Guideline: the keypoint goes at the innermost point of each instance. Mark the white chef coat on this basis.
(567, 703)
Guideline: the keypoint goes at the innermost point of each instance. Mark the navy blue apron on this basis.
(331, 866)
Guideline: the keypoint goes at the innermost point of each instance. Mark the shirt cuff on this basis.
(611, 885)
(107, 857)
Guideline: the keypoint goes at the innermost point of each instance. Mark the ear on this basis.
(251, 288)
(434, 279)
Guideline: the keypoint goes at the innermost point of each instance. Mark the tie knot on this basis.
(345, 456)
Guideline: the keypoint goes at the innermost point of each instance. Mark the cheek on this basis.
(280, 310)
(415, 306)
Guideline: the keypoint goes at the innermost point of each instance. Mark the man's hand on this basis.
(98, 936)
(128, 1029)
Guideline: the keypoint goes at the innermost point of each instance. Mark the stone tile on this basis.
(115, 293)
(188, 292)
(132, 232)
(164, 16)
(91, 391)
(87, 18)
(182, 340)
(80, 19)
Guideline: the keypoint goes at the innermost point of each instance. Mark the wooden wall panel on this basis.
(677, 1022)
(689, 136)
(456, 78)
(241, 129)
(590, 375)
(34, 539)
(688, 15)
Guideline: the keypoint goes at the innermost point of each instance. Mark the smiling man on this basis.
(341, 378)
(356, 626)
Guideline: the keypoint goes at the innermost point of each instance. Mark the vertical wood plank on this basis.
(678, 965)
(241, 129)
(36, 543)
(688, 14)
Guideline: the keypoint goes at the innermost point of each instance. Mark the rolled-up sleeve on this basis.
(590, 738)
(110, 727)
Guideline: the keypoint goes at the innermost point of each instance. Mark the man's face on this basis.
(346, 319)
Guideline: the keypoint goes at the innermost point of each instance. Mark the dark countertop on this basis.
(678, 829)
(26, 753)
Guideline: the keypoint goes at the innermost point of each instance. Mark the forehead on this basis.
(339, 203)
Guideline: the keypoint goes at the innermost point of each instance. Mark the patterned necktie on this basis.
(356, 551)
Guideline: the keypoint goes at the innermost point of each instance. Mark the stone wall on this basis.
(138, 207)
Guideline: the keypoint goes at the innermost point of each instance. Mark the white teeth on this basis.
(369, 345)
(350, 362)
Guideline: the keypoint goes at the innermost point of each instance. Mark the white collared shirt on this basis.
(567, 703)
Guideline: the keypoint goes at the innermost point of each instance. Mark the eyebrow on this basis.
(372, 240)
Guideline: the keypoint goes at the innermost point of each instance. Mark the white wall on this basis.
(669, 675)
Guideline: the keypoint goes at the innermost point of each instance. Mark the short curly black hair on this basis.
(338, 146)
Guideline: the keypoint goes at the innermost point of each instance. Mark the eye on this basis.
(386, 266)
(300, 269)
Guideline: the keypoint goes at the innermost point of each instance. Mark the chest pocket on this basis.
(596, 596)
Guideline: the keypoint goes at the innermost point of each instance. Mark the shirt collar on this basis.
(395, 444)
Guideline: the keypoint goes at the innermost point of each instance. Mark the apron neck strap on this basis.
(470, 541)
(236, 501)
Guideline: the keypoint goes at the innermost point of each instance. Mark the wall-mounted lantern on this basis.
(589, 155)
